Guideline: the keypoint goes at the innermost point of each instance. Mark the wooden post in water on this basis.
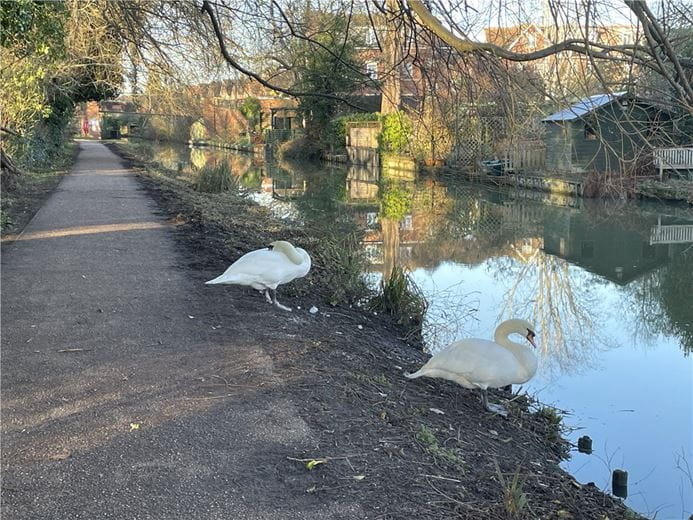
(585, 444)
(619, 483)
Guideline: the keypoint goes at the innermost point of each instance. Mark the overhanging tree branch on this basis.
(580, 46)
(207, 7)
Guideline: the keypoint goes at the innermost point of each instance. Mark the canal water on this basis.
(608, 286)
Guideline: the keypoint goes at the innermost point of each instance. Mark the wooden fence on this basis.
(525, 157)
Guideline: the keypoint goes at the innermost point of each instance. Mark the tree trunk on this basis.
(392, 51)
(8, 177)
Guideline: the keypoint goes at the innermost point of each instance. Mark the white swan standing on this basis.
(265, 269)
(480, 363)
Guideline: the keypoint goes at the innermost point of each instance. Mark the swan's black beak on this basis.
(530, 337)
(270, 247)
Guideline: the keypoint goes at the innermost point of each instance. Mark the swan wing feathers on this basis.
(473, 363)
(262, 268)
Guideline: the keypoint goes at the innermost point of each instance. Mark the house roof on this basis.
(584, 106)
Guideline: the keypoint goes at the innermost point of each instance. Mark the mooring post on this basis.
(585, 444)
(619, 483)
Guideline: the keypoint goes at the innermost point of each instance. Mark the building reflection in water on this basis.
(547, 255)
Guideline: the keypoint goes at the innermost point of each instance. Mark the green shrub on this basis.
(401, 298)
(198, 131)
(216, 179)
(251, 108)
(397, 131)
(395, 201)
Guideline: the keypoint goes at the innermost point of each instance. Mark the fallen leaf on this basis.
(312, 463)
(311, 489)
(436, 410)
(359, 477)
(134, 426)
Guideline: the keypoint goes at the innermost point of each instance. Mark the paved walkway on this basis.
(110, 345)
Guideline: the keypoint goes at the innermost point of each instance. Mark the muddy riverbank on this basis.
(423, 449)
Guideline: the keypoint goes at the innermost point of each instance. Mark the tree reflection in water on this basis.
(660, 300)
(559, 300)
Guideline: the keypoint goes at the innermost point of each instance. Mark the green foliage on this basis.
(550, 415)
(51, 61)
(33, 28)
(250, 108)
(335, 133)
(429, 441)
(198, 131)
(395, 201)
(331, 69)
(401, 298)
(514, 499)
(397, 131)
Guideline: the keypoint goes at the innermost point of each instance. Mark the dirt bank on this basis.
(404, 449)
(29, 191)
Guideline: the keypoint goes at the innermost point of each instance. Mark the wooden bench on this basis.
(673, 159)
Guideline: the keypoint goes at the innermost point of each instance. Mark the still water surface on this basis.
(609, 287)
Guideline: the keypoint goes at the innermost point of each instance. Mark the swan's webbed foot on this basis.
(277, 304)
(494, 408)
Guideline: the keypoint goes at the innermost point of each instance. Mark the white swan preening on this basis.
(265, 269)
(480, 363)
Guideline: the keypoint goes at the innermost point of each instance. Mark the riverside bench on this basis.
(673, 159)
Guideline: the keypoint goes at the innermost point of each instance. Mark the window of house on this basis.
(407, 223)
(372, 70)
(590, 133)
(371, 40)
(371, 219)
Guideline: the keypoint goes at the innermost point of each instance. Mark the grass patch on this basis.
(32, 187)
(550, 415)
(514, 499)
(344, 263)
(401, 298)
(551, 422)
(428, 440)
(216, 179)
(382, 380)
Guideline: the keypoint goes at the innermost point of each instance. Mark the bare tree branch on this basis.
(206, 7)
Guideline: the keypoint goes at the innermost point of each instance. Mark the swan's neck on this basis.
(522, 353)
(290, 252)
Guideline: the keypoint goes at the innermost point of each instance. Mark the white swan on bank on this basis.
(482, 364)
(265, 269)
